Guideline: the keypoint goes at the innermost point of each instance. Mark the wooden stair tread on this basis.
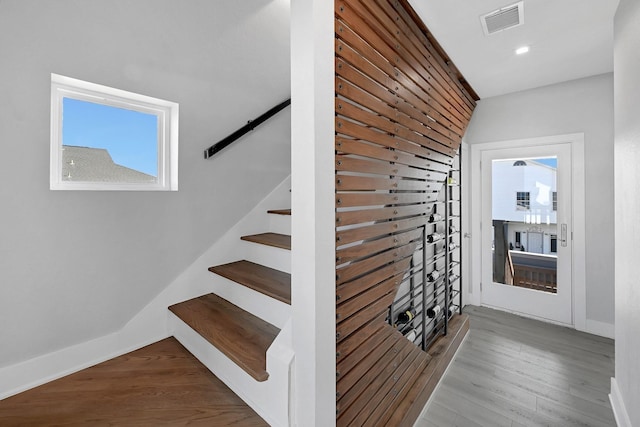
(277, 240)
(280, 211)
(241, 336)
(268, 281)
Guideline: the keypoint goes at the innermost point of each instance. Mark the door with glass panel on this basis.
(526, 231)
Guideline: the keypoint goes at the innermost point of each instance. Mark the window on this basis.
(109, 139)
(522, 200)
(554, 198)
(554, 243)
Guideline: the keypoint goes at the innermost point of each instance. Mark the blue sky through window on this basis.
(131, 137)
(551, 161)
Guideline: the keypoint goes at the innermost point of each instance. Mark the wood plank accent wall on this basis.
(401, 112)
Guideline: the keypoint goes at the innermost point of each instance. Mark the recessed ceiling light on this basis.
(522, 50)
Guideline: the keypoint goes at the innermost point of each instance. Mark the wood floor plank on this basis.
(161, 384)
(483, 415)
(507, 360)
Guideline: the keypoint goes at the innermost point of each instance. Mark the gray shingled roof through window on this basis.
(86, 164)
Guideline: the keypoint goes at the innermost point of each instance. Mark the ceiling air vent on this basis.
(503, 18)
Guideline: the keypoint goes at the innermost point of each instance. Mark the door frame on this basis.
(474, 200)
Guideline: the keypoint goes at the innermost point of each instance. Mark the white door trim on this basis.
(576, 140)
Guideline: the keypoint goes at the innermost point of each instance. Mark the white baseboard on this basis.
(617, 404)
(602, 329)
(150, 324)
(40, 370)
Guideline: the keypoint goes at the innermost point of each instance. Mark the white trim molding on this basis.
(617, 404)
(602, 329)
(40, 370)
(165, 112)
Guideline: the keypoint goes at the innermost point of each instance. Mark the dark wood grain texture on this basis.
(238, 334)
(268, 281)
(276, 240)
(280, 211)
(399, 119)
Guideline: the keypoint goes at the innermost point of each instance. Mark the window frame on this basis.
(166, 112)
(526, 198)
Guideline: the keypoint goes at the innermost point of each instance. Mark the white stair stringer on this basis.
(270, 398)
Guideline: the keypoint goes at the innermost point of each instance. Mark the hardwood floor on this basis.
(512, 372)
(158, 385)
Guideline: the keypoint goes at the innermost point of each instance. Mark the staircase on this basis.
(248, 349)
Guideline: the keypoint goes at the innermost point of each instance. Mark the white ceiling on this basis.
(569, 39)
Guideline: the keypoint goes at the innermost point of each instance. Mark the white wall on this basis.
(584, 105)
(313, 208)
(75, 266)
(626, 386)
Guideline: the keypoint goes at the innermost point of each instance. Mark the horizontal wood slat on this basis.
(352, 235)
(377, 83)
(347, 200)
(425, 74)
(393, 271)
(366, 314)
(359, 21)
(352, 146)
(394, 389)
(368, 215)
(351, 306)
(423, 39)
(373, 247)
(373, 166)
(358, 268)
(349, 379)
(355, 130)
(351, 111)
(380, 100)
(400, 114)
(365, 183)
(353, 345)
